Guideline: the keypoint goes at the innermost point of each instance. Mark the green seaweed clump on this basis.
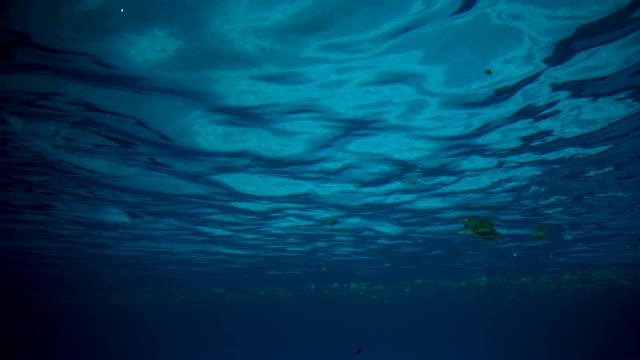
(481, 227)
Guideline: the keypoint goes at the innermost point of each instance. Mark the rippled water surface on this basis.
(299, 144)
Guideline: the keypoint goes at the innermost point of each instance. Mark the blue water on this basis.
(289, 179)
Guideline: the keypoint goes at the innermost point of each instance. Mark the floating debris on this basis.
(540, 232)
(331, 222)
(481, 227)
(357, 352)
(413, 181)
(488, 72)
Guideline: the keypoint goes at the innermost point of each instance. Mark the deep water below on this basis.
(485, 323)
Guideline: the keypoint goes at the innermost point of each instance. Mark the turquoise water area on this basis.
(184, 154)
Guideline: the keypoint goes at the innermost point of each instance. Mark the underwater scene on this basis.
(320, 179)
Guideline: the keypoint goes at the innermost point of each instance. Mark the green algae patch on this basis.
(481, 227)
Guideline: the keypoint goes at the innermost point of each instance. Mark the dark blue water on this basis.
(284, 179)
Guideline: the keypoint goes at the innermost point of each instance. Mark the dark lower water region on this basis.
(578, 316)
